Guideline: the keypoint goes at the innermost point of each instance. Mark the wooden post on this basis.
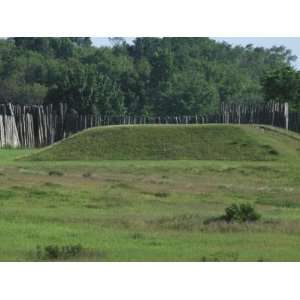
(286, 115)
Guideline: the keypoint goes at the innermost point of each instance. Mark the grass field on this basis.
(147, 210)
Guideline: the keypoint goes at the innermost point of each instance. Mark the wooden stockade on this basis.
(31, 126)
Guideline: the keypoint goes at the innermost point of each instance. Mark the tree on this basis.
(41, 45)
(282, 85)
(151, 76)
(108, 96)
(63, 47)
(86, 90)
(162, 66)
(82, 41)
(11, 90)
(188, 93)
(117, 41)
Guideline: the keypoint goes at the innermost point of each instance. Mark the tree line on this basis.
(151, 76)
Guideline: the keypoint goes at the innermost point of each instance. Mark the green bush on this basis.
(241, 213)
(161, 194)
(55, 173)
(87, 175)
(55, 252)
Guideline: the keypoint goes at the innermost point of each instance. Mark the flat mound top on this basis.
(171, 142)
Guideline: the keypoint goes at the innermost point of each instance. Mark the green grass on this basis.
(169, 142)
(152, 210)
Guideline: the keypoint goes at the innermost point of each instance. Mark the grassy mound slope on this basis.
(166, 142)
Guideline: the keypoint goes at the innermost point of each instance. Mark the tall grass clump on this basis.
(55, 252)
(243, 212)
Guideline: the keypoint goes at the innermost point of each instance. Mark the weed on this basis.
(161, 194)
(273, 152)
(55, 173)
(266, 147)
(209, 259)
(55, 252)
(51, 206)
(236, 213)
(52, 185)
(220, 256)
(93, 206)
(261, 259)
(87, 175)
(154, 243)
(241, 213)
(121, 185)
(137, 236)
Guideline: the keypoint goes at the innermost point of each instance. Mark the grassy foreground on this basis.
(169, 142)
(149, 210)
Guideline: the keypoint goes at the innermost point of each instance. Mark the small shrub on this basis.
(87, 175)
(137, 236)
(209, 259)
(266, 146)
(161, 194)
(273, 152)
(241, 213)
(51, 206)
(55, 252)
(55, 173)
(245, 144)
(52, 185)
(220, 256)
(261, 259)
(92, 205)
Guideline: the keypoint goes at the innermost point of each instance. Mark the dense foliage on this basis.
(243, 212)
(282, 85)
(153, 76)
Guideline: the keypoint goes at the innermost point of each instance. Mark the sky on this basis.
(292, 43)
